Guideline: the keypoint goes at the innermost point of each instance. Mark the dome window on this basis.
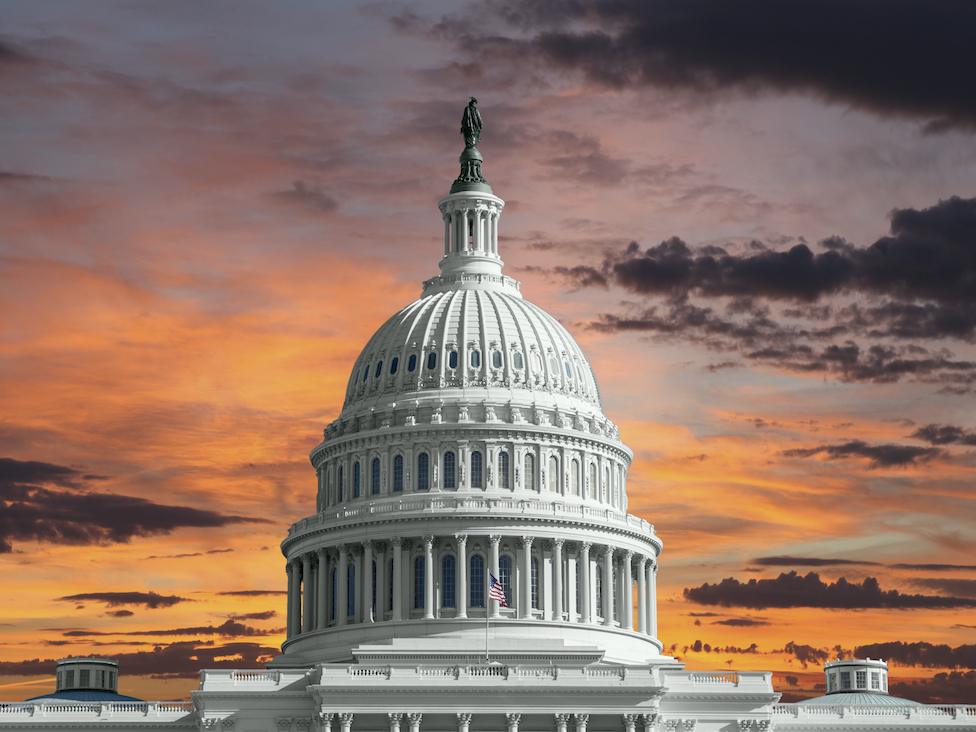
(379, 369)
(432, 360)
(356, 479)
(450, 471)
(374, 476)
(569, 371)
(423, 472)
(477, 472)
(503, 470)
(518, 361)
(475, 359)
(496, 359)
(394, 365)
(452, 359)
(412, 363)
(365, 372)
(398, 474)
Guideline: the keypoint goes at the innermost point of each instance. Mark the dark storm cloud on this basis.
(228, 628)
(120, 613)
(936, 567)
(805, 654)
(307, 196)
(252, 593)
(880, 456)
(151, 600)
(187, 555)
(958, 587)
(741, 622)
(183, 659)
(852, 52)
(794, 590)
(954, 687)
(945, 434)
(786, 561)
(928, 655)
(261, 615)
(69, 513)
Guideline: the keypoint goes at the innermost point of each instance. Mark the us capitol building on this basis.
(472, 444)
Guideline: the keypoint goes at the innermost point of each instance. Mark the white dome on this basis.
(483, 337)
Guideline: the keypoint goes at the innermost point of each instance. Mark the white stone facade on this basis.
(472, 442)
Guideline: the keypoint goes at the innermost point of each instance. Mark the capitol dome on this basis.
(471, 444)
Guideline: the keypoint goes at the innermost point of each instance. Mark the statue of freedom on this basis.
(471, 124)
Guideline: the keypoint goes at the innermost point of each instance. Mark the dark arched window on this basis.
(535, 583)
(351, 589)
(450, 470)
(356, 479)
(372, 584)
(374, 476)
(503, 470)
(568, 370)
(342, 484)
(379, 369)
(477, 470)
(412, 363)
(475, 359)
(529, 473)
(432, 360)
(398, 473)
(496, 359)
(418, 582)
(365, 372)
(477, 581)
(452, 359)
(394, 365)
(332, 595)
(505, 577)
(517, 361)
(575, 477)
(423, 472)
(553, 475)
(447, 581)
(599, 592)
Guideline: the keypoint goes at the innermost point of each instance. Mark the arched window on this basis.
(342, 484)
(553, 474)
(517, 361)
(398, 473)
(475, 359)
(447, 581)
(477, 581)
(576, 477)
(535, 583)
(356, 479)
(418, 583)
(394, 365)
(372, 584)
(423, 472)
(432, 360)
(505, 577)
(568, 370)
(379, 369)
(599, 592)
(450, 471)
(496, 359)
(332, 595)
(412, 363)
(351, 590)
(530, 472)
(365, 372)
(477, 471)
(452, 359)
(503, 469)
(592, 482)
(374, 476)
(606, 485)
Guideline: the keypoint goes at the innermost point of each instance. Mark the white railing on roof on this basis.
(964, 714)
(103, 711)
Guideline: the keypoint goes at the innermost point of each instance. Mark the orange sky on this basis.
(200, 225)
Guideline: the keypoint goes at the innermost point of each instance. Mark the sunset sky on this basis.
(757, 218)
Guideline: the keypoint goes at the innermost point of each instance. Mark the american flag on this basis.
(495, 591)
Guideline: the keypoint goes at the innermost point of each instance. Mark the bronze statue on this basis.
(471, 124)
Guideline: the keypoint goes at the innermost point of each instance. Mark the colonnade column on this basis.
(382, 582)
(628, 608)
(367, 579)
(572, 577)
(428, 578)
(585, 581)
(557, 579)
(495, 539)
(343, 586)
(308, 593)
(447, 234)
(396, 544)
(462, 575)
(581, 720)
(290, 620)
(321, 591)
(642, 596)
(608, 588)
(525, 605)
(415, 719)
(652, 598)
(479, 230)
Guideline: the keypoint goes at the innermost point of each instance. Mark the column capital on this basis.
(495, 539)
(628, 555)
(513, 719)
(562, 719)
(396, 541)
(607, 552)
(461, 539)
(415, 717)
(428, 542)
(463, 720)
(346, 718)
(630, 721)
(289, 566)
(558, 543)
(367, 543)
(527, 540)
(642, 561)
(585, 546)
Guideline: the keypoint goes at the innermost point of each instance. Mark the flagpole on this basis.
(487, 615)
